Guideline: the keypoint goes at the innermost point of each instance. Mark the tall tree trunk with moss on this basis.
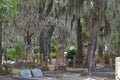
(79, 42)
(91, 64)
(45, 42)
(42, 45)
(0, 43)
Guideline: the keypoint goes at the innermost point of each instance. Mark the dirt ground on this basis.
(80, 78)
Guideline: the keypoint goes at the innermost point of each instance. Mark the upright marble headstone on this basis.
(117, 68)
(25, 74)
(37, 73)
(60, 56)
(29, 56)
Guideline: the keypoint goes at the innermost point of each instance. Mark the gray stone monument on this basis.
(117, 68)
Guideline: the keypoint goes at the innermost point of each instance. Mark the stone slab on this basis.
(37, 73)
(25, 74)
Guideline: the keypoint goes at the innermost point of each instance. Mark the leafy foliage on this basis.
(8, 8)
(17, 50)
(71, 53)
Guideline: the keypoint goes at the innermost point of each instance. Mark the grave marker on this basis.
(29, 55)
(37, 73)
(60, 56)
(25, 73)
(117, 68)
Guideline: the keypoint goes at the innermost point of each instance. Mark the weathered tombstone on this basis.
(60, 58)
(29, 56)
(37, 73)
(117, 68)
(25, 74)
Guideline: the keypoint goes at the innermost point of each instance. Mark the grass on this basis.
(53, 54)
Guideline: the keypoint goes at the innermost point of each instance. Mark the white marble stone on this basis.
(117, 68)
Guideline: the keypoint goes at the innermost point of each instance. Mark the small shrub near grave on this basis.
(70, 55)
(5, 69)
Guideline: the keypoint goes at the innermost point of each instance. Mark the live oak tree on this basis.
(7, 11)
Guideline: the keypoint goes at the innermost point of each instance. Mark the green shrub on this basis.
(71, 53)
(36, 49)
(53, 54)
(17, 50)
(53, 51)
(52, 48)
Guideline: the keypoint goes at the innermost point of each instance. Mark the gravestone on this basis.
(37, 73)
(117, 68)
(60, 58)
(25, 74)
(29, 56)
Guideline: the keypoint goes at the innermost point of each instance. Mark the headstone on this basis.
(60, 56)
(117, 68)
(29, 56)
(37, 73)
(25, 74)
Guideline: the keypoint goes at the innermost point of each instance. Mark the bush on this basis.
(52, 48)
(17, 50)
(71, 53)
(36, 49)
(53, 54)
(53, 51)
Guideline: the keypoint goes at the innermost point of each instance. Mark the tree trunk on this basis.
(45, 42)
(91, 64)
(79, 43)
(42, 45)
(0, 43)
